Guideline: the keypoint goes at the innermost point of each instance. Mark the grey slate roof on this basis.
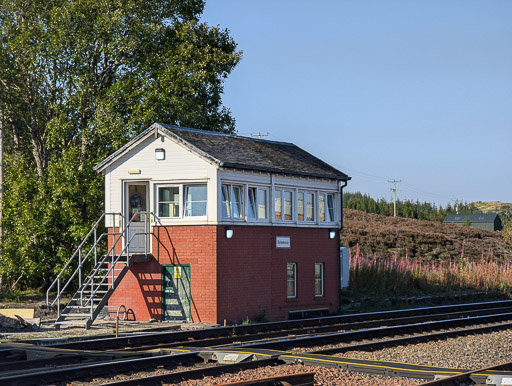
(232, 151)
(474, 218)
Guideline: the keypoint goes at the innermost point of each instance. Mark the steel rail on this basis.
(199, 373)
(210, 342)
(231, 331)
(84, 370)
(461, 379)
(88, 370)
(376, 332)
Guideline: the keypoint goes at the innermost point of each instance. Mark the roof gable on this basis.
(236, 152)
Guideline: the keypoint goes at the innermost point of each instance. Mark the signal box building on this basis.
(240, 227)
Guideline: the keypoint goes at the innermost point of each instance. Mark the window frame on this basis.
(257, 189)
(292, 204)
(180, 200)
(320, 280)
(231, 190)
(294, 280)
(304, 194)
(326, 207)
(184, 187)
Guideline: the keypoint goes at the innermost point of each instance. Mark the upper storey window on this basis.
(195, 200)
(257, 205)
(283, 204)
(178, 201)
(232, 201)
(169, 201)
(326, 208)
(306, 206)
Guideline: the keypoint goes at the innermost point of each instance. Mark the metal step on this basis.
(72, 322)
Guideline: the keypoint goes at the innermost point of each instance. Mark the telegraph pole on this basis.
(393, 189)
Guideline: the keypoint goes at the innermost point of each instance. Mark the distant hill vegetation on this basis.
(386, 236)
(494, 207)
(422, 211)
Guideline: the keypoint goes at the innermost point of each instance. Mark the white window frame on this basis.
(334, 204)
(304, 206)
(265, 191)
(294, 280)
(180, 203)
(230, 189)
(321, 279)
(292, 203)
(184, 210)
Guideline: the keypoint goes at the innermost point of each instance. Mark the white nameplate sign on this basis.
(282, 241)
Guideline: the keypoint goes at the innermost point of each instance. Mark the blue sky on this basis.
(412, 90)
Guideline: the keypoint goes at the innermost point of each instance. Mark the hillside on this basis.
(430, 240)
(494, 207)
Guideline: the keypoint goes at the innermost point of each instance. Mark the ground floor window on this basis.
(319, 279)
(291, 281)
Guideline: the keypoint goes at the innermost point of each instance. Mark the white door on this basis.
(136, 210)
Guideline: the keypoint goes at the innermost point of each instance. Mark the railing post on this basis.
(92, 293)
(58, 296)
(95, 247)
(80, 268)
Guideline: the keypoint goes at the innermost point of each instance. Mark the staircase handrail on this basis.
(125, 251)
(81, 261)
(112, 267)
(112, 248)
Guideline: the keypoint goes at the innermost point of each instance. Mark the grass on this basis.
(19, 296)
(403, 276)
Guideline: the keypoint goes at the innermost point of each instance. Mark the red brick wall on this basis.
(141, 288)
(252, 272)
(234, 278)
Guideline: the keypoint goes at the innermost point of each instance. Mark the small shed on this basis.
(487, 221)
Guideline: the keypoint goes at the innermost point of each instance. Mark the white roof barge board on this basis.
(242, 153)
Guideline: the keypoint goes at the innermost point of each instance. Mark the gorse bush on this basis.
(370, 275)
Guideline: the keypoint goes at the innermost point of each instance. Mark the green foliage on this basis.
(507, 232)
(466, 222)
(79, 79)
(261, 317)
(246, 321)
(406, 209)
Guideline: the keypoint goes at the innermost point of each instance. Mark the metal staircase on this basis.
(95, 289)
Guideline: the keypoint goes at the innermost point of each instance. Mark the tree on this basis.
(79, 79)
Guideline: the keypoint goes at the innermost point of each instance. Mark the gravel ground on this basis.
(323, 376)
(472, 351)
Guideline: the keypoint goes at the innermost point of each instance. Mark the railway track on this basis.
(70, 363)
(273, 330)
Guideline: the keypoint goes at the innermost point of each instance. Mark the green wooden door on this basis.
(176, 292)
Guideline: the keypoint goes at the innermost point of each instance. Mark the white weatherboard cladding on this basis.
(180, 166)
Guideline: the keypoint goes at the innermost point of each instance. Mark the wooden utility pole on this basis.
(394, 182)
